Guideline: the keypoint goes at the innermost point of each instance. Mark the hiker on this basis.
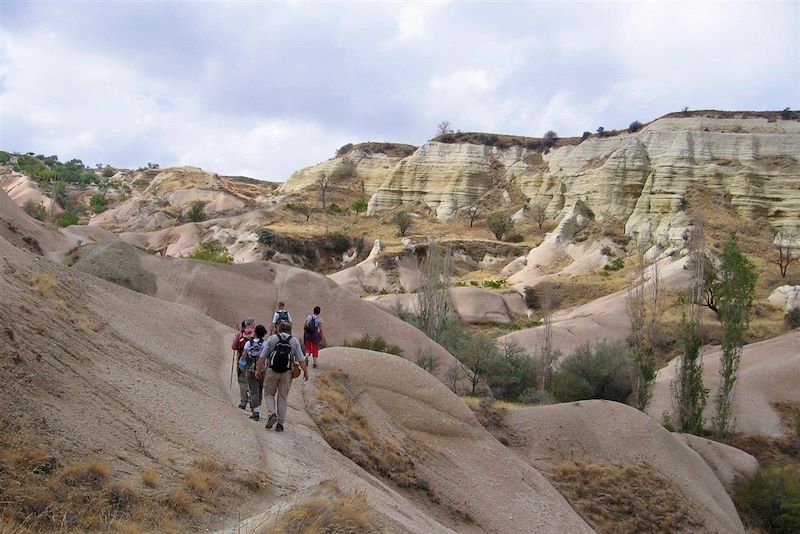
(243, 336)
(248, 362)
(275, 365)
(313, 336)
(280, 315)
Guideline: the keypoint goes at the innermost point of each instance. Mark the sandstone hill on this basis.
(122, 398)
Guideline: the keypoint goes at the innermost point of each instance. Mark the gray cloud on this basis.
(264, 89)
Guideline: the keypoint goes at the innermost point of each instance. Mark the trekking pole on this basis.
(233, 366)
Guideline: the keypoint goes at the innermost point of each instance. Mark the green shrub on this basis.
(266, 236)
(377, 343)
(108, 172)
(515, 238)
(37, 211)
(459, 283)
(519, 325)
(196, 211)
(359, 205)
(212, 251)
(615, 265)
(335, 209)
(635, 126)
(98, 203)
(770, 500)
(428, 362)
(600, 372)
(531, 297)
(494, 284)
(792, 317)
(499, 224)
(5, 157)
(337, 242)
(403, 222)
(65, 219)
(474, 283)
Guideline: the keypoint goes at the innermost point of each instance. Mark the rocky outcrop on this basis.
(367, 162)
(159, 198)
(641, 179)
(786, 297)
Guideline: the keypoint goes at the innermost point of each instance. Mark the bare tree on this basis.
(549, 355)
(453, 376)
(302, 208)
(539, 213)
(473, 212)
(323, 184)
(433, 294)
(784, 244)
(443, 128)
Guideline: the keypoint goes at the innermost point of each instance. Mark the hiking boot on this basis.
(271, 420)
(315, 365)
(255, 416)
(243, 405)
(279, 427)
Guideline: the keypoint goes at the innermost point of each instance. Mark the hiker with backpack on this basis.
(313, 336)
(242, 336)
(276, 363)
(248, 363)
(280, 316)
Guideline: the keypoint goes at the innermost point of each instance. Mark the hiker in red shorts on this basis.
(313, 336)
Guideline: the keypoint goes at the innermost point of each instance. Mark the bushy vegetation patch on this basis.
(377, 343)
(65, 219)
(212, 251)
(770, 500)
(602, 371)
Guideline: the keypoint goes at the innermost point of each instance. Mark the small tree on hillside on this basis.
(443, 128)
(601, 131)
(403, 221)
(499, 223)
(538, 212)
(688, 390)
(734, 289)
(641, 321)
(323, 184)
(433, 294)
(473, 211)
(477, 358)
(359, 205)
(301, 208)
(196, 211)
(784, 245)
(549, 139)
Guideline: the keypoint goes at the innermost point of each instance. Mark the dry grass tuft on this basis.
(201, 483)
(150, 478)
(40, 492)
(348, 431)
(43, 284)
(93, 473)
(180, 502)
(330, 510)
(624, 498)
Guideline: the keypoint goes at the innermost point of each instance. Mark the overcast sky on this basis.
(263, 89)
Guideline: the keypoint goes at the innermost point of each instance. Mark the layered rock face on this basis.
(367, 161)
(639, 178)
(446, 176)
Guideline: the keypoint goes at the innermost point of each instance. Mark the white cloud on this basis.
(265, 89)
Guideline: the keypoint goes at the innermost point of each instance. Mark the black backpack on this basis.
(280, 359)
(283, 316)
(311, 327)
